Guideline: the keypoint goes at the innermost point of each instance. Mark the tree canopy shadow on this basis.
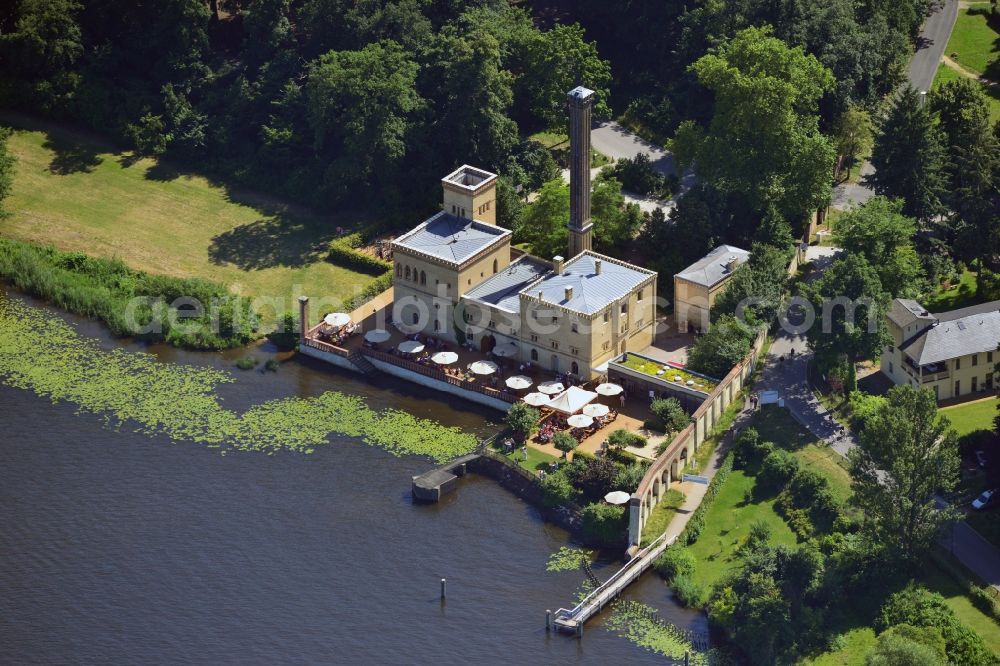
(280, 240)
(71, 156)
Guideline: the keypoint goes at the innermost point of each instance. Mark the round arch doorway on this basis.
(487, 343)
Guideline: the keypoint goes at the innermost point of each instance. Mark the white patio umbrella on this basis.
(483, 367)
(377, 335)
(551, 388)
(596, 410)
(580, 421)
(536, 399)
(518, 382)
(505, 350)
(617, 497)
(337, 319)
(445, 358)
(410, 346)
(609, 389)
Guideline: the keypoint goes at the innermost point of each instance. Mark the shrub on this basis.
(670, 413)
(271, 365)
(557, 490)
(675, 561)
(687, 591)
(246, 363)
(757, 537)
(604, 525)
(778, 467)
(522, 419)
(285, 335)
(863, 406)
(131, 303)
(724, 345)
(594, 477)
(622, 438)
(696, 523)
(895, 650)
(638, 175)
(921, 608)
(749, 450)
(629, 476)
(344, 252)
(565, 442)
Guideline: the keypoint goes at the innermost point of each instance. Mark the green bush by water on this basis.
(111, 292)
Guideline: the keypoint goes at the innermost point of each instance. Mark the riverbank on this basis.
(79, 194)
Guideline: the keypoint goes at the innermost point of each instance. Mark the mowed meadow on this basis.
(79, 194)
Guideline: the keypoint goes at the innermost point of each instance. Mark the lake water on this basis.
(121, 548)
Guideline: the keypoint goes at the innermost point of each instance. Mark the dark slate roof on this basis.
(501, 290)
(905, 311)
(971, 330)
(711, 269)
(591, 292)
(453, 239)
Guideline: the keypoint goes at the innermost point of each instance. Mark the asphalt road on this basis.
(931, 43)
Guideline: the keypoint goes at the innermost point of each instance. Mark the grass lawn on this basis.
(558, 144)
(80, 195)
(726, 526)
(852, 648)
(938, 580)
(662, 514)
(971, 416)
(958, 295)
(973, 42)
(536, 459)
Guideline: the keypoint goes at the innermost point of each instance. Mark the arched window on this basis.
(416, 318)
(399, 270)
(437, 325)
(496, 266)
(407, 272)
(574, 368)
(534, 354)
(423, 277)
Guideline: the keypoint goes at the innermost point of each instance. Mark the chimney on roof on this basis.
(557, 264)
(731, 264)
(597, 266)
(580, 101)
(569, 293)
(541, 294)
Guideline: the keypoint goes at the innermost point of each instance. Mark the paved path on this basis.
(616, 142)
(931, 43)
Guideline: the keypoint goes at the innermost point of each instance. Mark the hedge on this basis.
(344, 252)
(696, 523)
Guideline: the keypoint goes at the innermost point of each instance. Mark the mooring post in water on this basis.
(548, 619)
(579, 629)
(443, 583)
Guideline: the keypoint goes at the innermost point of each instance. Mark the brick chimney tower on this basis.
(580, 228)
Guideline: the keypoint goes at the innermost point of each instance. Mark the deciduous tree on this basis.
(907, 453)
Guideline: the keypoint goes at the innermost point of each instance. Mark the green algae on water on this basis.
(568, 559)
(42, 353)
(639, 624)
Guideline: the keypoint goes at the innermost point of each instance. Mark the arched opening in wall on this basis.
(399, 270)
(534, 355)
(416, 318)
(407, 272)
(487, 344)
(423, 277)
(574, 368)
(496, 266)
(555, 363)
